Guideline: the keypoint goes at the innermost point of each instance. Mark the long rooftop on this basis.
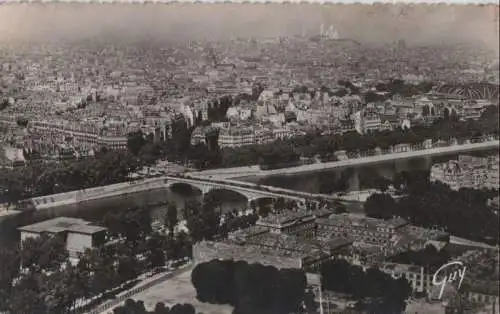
(63, 224)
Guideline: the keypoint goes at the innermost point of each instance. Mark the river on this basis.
(355, 178)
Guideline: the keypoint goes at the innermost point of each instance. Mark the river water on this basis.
(325, 181)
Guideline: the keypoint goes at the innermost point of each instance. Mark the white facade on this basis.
(78, 233)
(468, 172)
(78, 242)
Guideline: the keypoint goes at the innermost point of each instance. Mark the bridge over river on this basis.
(209, 181)
(250, 191)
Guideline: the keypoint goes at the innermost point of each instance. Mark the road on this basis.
(256, 171)
(144, 285)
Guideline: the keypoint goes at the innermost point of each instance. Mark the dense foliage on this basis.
(38, 179)
(429, 257)
(137, 307)
(250, 288)
(463, 213)
(324, 146)
(53, 285)
(376, 291)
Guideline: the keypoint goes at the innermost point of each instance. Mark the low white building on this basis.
(79, 234)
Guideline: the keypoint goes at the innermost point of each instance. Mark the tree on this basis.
(44, 253)
(264, 207)
(149, 153)
(380, 205)
(102, 263)
(22, 122)
(210, 216)
(27, 289)
(133, 223)
(171, 217)
(62, 290)
(135, 142)
(155, 255)
(128, 265)
(253, 206)
(279, 203)
(250, 288)
(425, 111)
(160, 308)
(9, 270)
(376, 291)
(4, 104)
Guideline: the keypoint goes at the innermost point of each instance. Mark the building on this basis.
(473, 109)
(367, 121)
(359, 229)
(78, 233)
(83, 134)
(207, 251)
(468, 172)
(236, 137)
(259, 245)
(418, 278)
(298, 223)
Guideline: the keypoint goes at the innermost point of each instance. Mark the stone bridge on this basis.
(249, 192)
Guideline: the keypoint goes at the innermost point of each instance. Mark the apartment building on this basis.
(81, 134)
(367, 121)
(298, 223)
(473, 109)
(236, 136)
(364, 230)
(468, 172)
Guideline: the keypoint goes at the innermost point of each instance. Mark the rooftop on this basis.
(285, 217)
(369, 223)
(246, 233)
(249, 253)
(63, 224)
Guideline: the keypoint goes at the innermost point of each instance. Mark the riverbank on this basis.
(255, 170)
(7, 211)
(232, 175)
(85, 195)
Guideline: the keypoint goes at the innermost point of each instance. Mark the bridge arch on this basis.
(182, 187)
(232, 193)
(262, 198)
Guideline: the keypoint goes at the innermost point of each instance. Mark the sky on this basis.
(417, 24)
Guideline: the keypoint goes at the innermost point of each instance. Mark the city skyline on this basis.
(417, 25)
(241, 158)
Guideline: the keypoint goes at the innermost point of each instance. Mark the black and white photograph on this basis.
(249, 158)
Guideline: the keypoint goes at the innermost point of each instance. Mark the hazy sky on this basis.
(416, 24)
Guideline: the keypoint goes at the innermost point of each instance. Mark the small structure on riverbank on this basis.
(79, 234)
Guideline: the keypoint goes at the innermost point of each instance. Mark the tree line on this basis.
(373, 290)
(324, 146)
(463, 213)
(54, 285)
(37, 179)
(429, 258)
(137, 307)
(178, 148)
(250, 288)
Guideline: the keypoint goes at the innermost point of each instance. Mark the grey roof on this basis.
(63, 224)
